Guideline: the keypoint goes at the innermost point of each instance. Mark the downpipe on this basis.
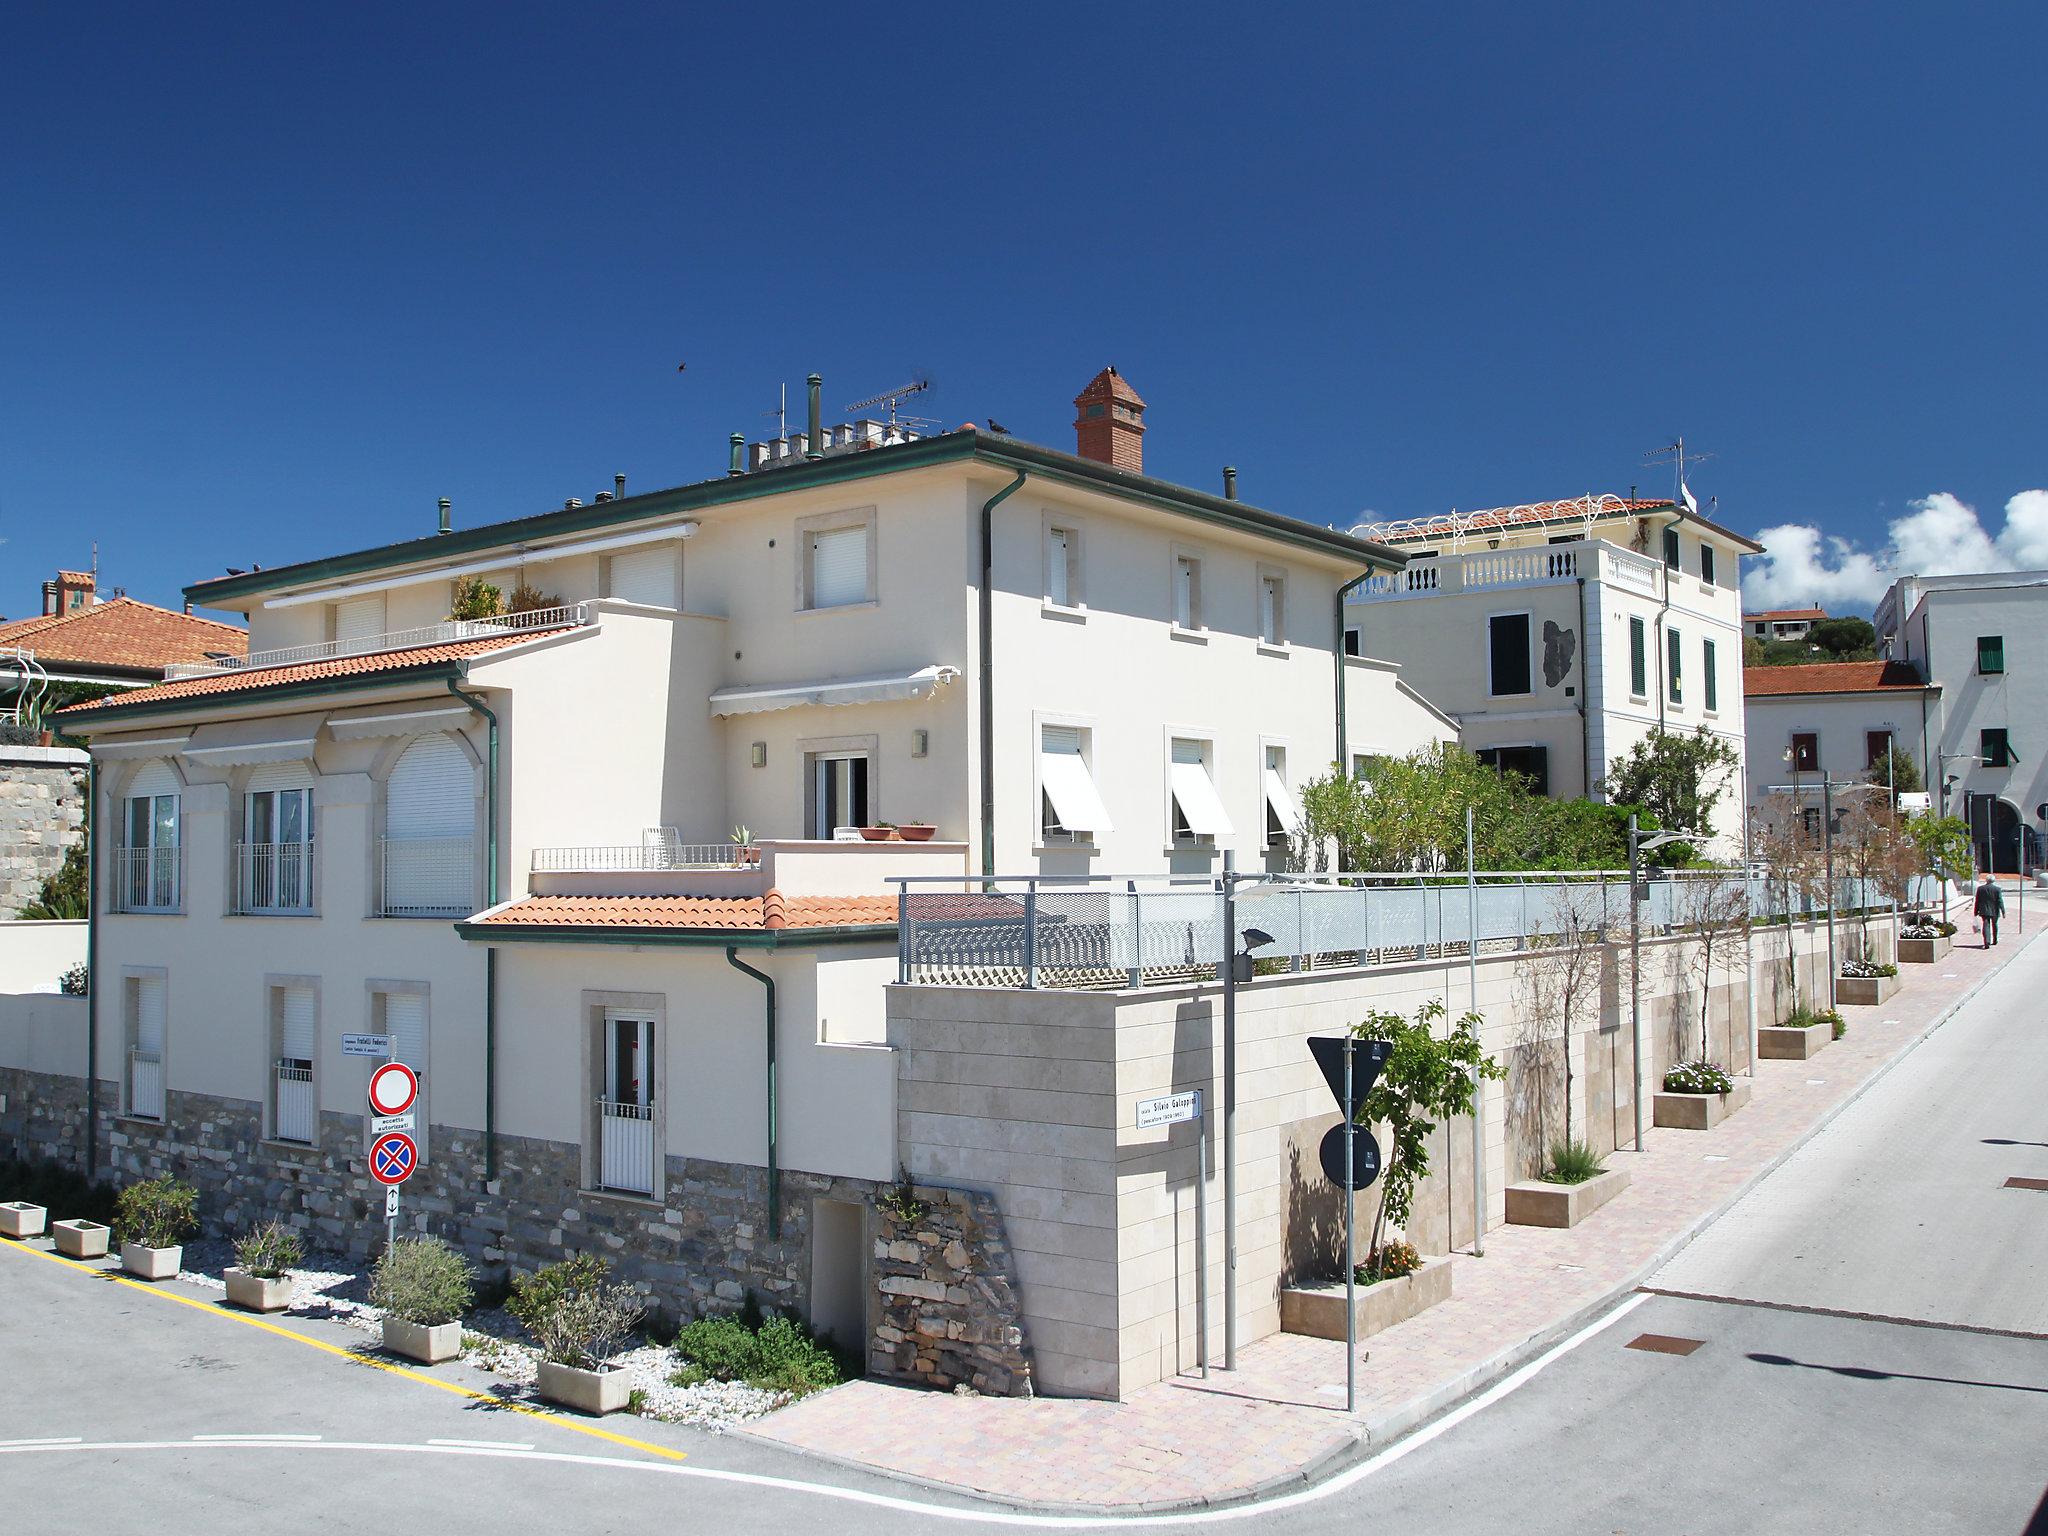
(92, 968)
(490, 951)
(732, 956)
(985, 666)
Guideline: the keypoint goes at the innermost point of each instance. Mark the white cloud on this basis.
(1940, 536)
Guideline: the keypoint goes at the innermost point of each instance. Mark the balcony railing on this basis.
(394, 640)
(273, 879)
(294, 1103)
(146, 879)
(1491, 570)
(653, 854)
(145, 1085)
(625, 1147)
(426, 876)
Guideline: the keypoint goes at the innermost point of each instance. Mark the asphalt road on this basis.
(1859, 1368)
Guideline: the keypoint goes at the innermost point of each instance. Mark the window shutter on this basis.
(405, 1020)
(1707, 563)
(1713, 689)
(645, 576)
(1184, 592)
(431, 792)
(839, 567)
(295, 1023)
(1991, 653)
(154, 779)
(278, 776)
(1064, 777)
(1056, 555)
(1638, 658)
(149, 1015)
(359, 618)
(1269, 609)
(1195, 793)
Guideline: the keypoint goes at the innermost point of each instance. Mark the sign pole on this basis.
(1635, 965)
(1229, 1110)
(1350, 1245)
(391, 1219)
(1202, 1240)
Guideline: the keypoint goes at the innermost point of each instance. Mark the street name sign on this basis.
(366, 1045)
(1170, 1109)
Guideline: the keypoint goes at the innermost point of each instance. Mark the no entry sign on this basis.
(393, 1157)
(393, 1087)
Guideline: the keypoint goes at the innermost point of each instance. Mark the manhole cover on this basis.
(1664, 1344)
(2026, 1183)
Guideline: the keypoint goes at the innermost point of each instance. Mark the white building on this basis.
(1983, 640)
(1836, 719)
(1782, 623)
(1559, 634)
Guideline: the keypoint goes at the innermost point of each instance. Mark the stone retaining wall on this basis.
(949, 1312)
(42, 813)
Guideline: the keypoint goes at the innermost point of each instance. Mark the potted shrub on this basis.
(1867, 982)
(153, 1218)
(917, 831)
(422, 1286)
(880, 832)
(1697, 1096)
(19, 1218)
(578, 1320)
(1924, 940)
(1802, 1034)
(81, 1239)
(260, 1277)
(1573, 1185)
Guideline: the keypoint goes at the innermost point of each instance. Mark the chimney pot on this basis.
(618, 487)
(446, 526)
(1230, 482)
(816, 448)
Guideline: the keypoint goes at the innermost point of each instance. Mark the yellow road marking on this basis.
(213, 1309)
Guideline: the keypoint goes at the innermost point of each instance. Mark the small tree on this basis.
(1561, 972)
(1677, 776)
(475, 598)
(1944, 845)
(1844, 639)
(1896, 770)
(1715, 908)
(1425, 1081)
(530, 599)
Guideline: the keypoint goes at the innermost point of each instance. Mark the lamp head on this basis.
(1256, 938)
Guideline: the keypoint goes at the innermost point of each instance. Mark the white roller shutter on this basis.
(295, 1023)
(431, 792)
(1195, 793)
(1063, 772)
(405, 1019)
(1056, 556)
(149, 1015)
(271, 777)
(645, 576)
(839, 567)
(359, 618)
(157, 778)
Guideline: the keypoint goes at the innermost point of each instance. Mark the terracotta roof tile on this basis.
(306, 672)
(1831, 677)
(123, 633)
(737, 913)
(1785, 613)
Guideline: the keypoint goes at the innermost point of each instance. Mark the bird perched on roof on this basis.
(997, 426)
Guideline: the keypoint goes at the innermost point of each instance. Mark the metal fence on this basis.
(273, 878)
(145, 1085)
(146, 879)
(1106, 933)
(295, 1113)
(530, 621)
(652, 853)
(626, 1146)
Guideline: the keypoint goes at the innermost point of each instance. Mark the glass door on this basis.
(839, 792)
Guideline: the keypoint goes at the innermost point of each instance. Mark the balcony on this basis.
(295, 1114)
(273, 880)
(1496, 570)
(146, 1085)
(625, 1147)
(426, 876)
(448, 630)
(146, 880)
(658, 849)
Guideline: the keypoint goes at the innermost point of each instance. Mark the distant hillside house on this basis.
(1782, 623)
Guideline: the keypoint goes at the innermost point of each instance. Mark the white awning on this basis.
(1281, 799)
(381, 720)
(882, 689)
(113, 749)
(1196, 797)
(237, 743)
(1076, 803)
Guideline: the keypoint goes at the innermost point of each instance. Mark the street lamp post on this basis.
(1638, 845)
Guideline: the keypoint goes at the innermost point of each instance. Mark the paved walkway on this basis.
(1281, 1413)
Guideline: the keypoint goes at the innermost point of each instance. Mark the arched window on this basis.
(428, 850)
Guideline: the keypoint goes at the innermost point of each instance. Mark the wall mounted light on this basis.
(760, 754)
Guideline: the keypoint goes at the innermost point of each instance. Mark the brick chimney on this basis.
(71, 590)
(1109, 422)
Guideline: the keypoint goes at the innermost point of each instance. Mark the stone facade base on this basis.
(1698, 1111)
(1539, 1203)
(1778, 1042)
(949, 1314)
(1318, 1310)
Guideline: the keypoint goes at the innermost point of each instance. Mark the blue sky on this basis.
(273, 280)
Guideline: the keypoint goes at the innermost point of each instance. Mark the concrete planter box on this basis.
(1539, 1203)
(257, 1293)
(428, 1343)
(597, 1392)
(1924, 951)
(1318, 1310)
(1699, 1111)
(1865, 991)
(20, 1219)
(152, 1263)
(80, 1239)
(1782, 1042)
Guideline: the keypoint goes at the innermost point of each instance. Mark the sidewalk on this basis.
(1280, 1416)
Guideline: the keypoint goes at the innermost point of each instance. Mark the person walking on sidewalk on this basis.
(1990, 905)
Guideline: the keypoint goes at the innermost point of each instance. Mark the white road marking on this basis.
(51, 1440)
(484, 1445)
(967, 1515)
(258, 1439)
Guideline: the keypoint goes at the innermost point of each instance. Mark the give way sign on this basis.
(393, 1087)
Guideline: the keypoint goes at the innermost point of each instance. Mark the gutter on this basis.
(113, 713)
(768, 1013)
(490, 955)
(677, 938)
(92, 969)
(1585, 689)
(985, 663)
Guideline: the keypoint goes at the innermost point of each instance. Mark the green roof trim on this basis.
(679, 938)
(951, 447)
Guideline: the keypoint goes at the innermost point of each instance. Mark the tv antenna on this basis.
(894, 397)
(1677, 455)
(781, 411)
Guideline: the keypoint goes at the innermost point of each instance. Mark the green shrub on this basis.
(422, 1280)
(687, 1375)
(723, 1348)
(269, 1250)
(157, 1213)
(1572, 1162)
(63, 895)
(475, 598)
(778, 1356)
(1389, 1261)
(73, 982)
(1697, 1077)
(64, 1192)
(573, 1313)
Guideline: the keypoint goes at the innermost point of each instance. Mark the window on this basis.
(1995, 747)
(428, 862)
(1706, 563)
(1070, 808)
(1364, 765)
(625, 1106)
(1709, 676)
(1272, 608)
(1507, 636)
(357, 620)
(1991, 654)
(1196, 811)
(293, 1112)
(1674, 664)
(1875, 745)
(147, 876)
(401, 1013)
(1187, 592)
(274, 858)
(1351, 641)
(1671, 555)
(839, 792)
(1530, 762)
(643, 576)
(147, 1015)
(1638, 659)
(1806, 752)
(836, 566)
(1063, 567)
(1283, 811)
